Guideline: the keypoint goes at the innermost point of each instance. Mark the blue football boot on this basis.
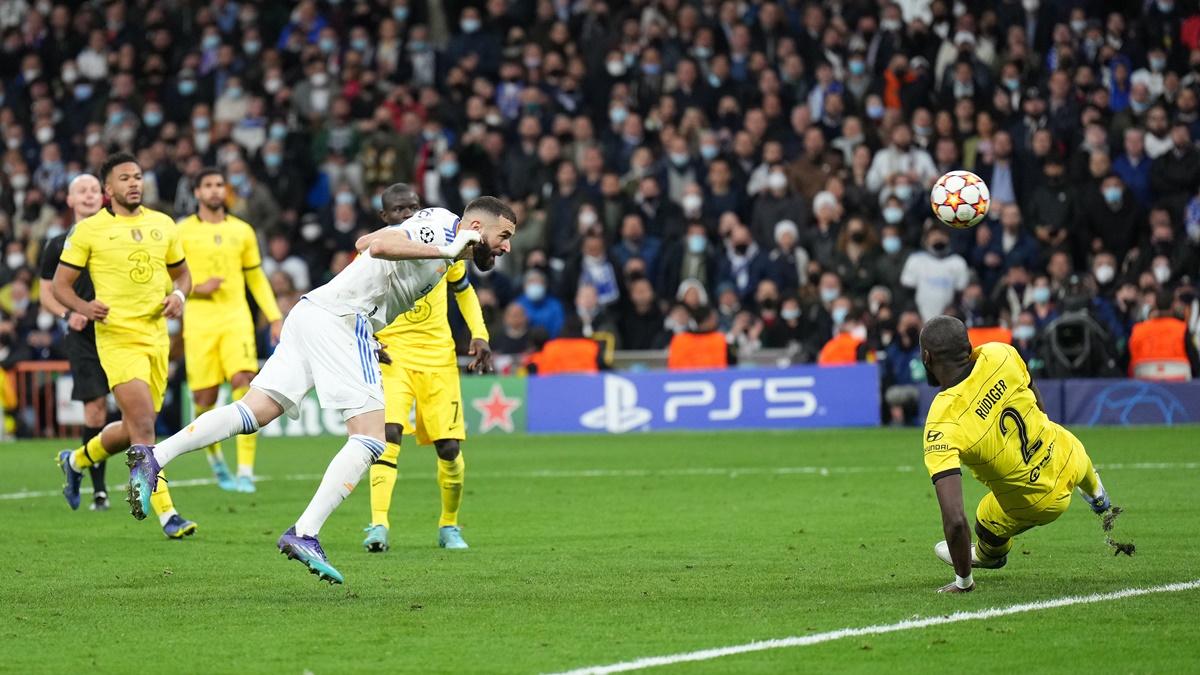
(450, 537)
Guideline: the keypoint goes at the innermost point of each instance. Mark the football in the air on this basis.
(960, 199)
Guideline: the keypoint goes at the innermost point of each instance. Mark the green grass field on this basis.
(589, 551)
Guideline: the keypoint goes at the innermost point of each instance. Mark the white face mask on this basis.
(20, 181)
(14, 260)
(1105, 274)
(45, 135)
(45, 321)
(692, 202)
(859, 333)
(310, 232)
(1162, 273)
(776, 181)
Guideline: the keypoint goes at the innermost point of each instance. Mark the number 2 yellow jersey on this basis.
(990, 423)
(127, 257)
(420, 338)
(227, 249)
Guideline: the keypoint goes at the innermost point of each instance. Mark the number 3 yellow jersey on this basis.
(127, 257)
(990, 423)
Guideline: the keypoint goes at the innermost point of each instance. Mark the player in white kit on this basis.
(328, 344)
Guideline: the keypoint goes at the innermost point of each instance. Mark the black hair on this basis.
(205, 173)
(492, 206)
(394, 192)
(113, 161)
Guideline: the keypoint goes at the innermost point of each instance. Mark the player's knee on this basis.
(447, 449)
(393, 433)
(988, 537)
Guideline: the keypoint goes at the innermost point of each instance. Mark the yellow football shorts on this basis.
(214, 357)
(125, 363)
(438, 399)
(1010, 523)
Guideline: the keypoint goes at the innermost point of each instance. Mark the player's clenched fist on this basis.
(96, 311)
(461, 240)
(173, 305)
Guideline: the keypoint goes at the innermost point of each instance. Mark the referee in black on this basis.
(91, 384)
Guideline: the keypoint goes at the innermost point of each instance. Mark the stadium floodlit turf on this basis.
(588, 551)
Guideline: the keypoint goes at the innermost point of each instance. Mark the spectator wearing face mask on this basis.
(693, 257)
(1109, 220)
(1051, 211)
(592, 267)
(1042, 303)
(635, 243)
(848, 346)
(903, 370)
(935, 275)
(544, 310)
(776, 204)
(857, 248)
(1161, 253)
(744, 264)
(787, 260)
(787, 330)
(820, 239)
(1025, 336)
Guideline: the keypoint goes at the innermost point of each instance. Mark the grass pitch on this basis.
(589, 551)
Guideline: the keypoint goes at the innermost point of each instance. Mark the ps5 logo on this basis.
(785, 398)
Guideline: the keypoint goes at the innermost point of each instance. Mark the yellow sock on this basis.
(450, 480)
(247, 444)
(383, 479)
(90, 454)
(213, 452)
(988, 552)
(1090, 483)
(160, 499)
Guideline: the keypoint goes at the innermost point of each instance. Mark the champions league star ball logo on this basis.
(426, 234)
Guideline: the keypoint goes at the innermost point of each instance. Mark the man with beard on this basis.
(132, 255)
(327, 345)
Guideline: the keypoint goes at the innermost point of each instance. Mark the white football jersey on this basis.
(381, 290)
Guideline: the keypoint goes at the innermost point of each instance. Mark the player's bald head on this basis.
(944, 339)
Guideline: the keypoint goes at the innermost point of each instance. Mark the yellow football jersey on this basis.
(127, 257)
(990, 422)
(229, 250)
(420, 339)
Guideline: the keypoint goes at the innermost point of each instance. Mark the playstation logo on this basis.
(620, 412)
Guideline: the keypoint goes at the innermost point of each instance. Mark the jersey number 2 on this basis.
(1027, 450)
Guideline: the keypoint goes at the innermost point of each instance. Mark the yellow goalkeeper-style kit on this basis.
(991, 423)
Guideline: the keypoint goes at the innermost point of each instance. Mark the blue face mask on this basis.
(448, 169)
(344, 198)
(116, 118)
(904, 191)
(377, 202)
(857, 67)
(714, 81)
(535, 292)
(470, 25)
(469, 194)
(278, 132)
(233, 92)
(651, 68)
(875, 112)
(251, 47)
(679, 159)
(200, 124)
(83, 91)
(237, 180)
(1041, 295)
(891, 244)
(211, 41)
(893, 215)
(273, 160)
(828, 295)
(1112, 195)
(328, 45)
(1024, 332)
(838, 313)
(359, 44)
(617, 115)
(696, 243)
(1012, 83)
(709, 152)
(187, 87)
(152, 118)
(400, 13)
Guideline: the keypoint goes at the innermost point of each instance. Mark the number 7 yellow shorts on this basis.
(438, 399)
(214, 357)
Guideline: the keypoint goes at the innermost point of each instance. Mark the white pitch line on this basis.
(728, 472)
(910, 624)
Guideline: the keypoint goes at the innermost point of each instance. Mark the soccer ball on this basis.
(960, 199)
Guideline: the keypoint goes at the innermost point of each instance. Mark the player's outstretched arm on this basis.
(395, 244)
(64, 290)
(958, 534)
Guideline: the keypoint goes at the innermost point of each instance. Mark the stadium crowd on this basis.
(761, 168)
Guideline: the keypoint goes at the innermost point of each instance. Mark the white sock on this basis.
(211, 427)
(165, 516)
(344, 472)
(245, 470)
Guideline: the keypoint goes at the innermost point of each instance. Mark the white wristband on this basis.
(964, 582)
(182, 297)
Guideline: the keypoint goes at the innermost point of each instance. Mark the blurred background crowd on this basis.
(757, 168)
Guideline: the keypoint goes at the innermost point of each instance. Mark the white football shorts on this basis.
(333, 354)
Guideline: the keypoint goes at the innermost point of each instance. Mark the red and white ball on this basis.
(960, 199)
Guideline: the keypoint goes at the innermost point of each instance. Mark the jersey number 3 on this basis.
(1027, 450)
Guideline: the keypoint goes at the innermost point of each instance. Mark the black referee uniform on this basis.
(90, 381)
